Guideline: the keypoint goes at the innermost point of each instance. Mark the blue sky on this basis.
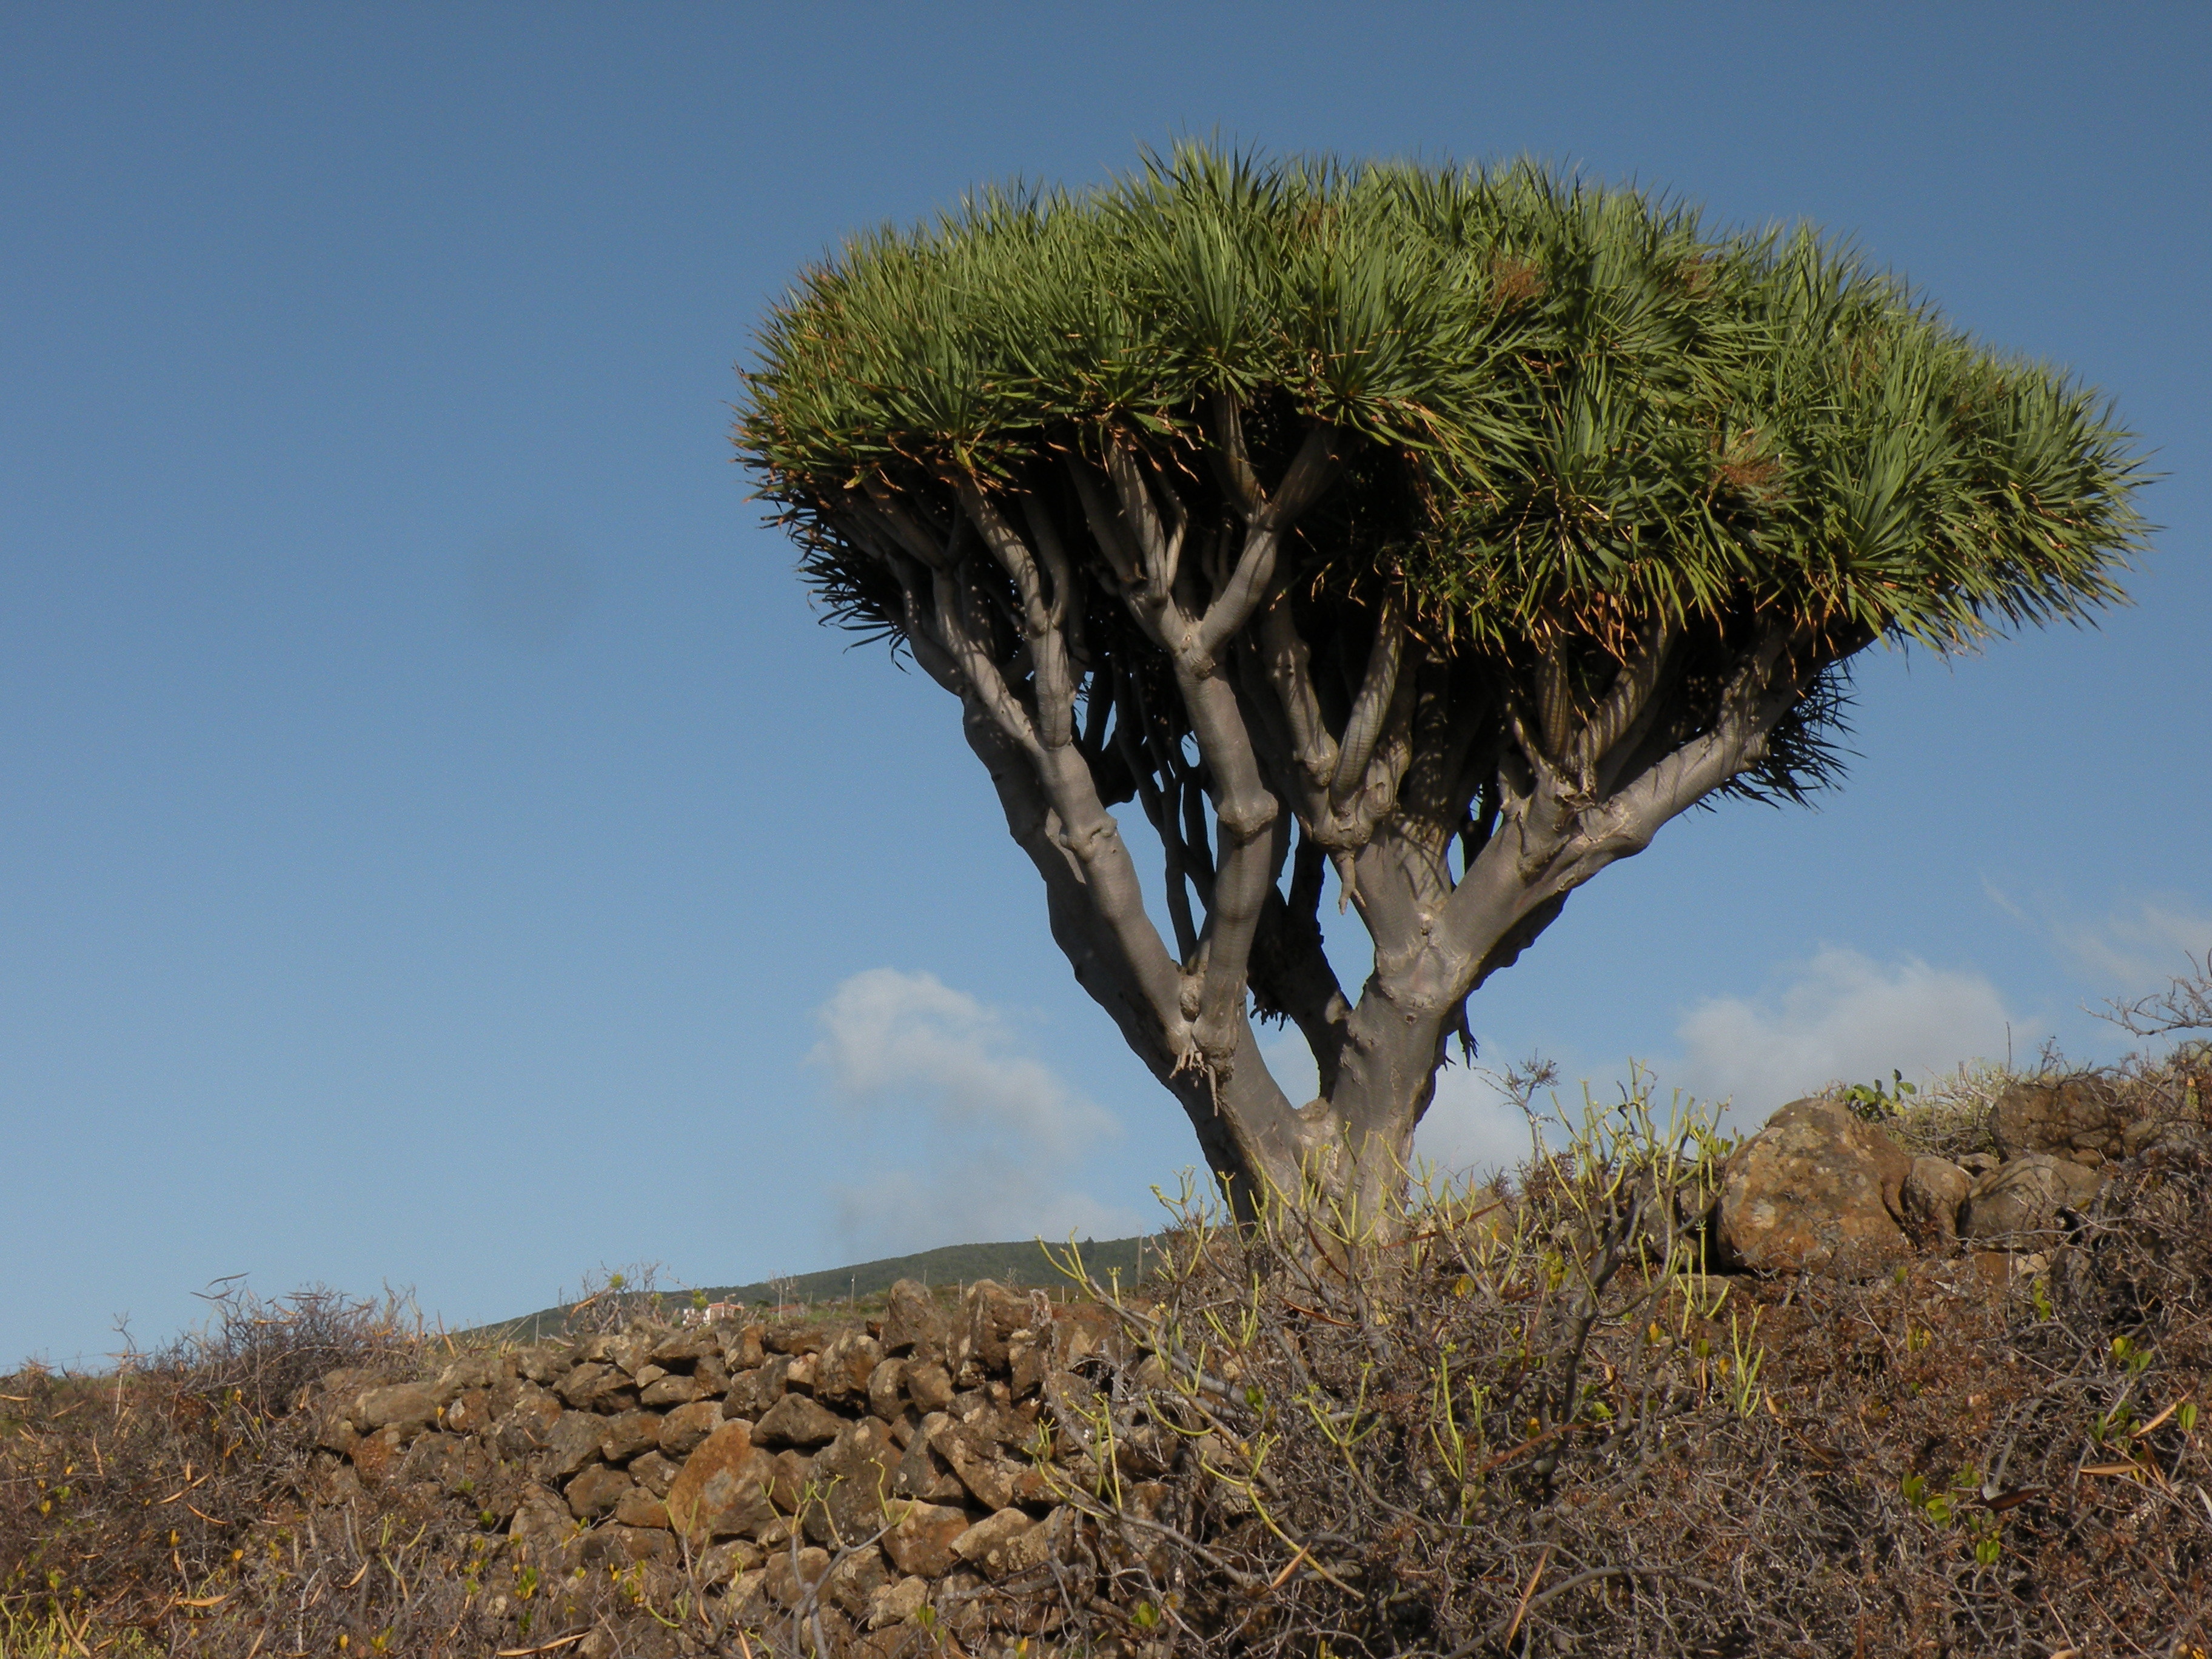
(441, 850)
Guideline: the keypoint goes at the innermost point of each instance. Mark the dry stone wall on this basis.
(882, 1483)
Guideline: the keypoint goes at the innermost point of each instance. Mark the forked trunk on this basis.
(1113, 635)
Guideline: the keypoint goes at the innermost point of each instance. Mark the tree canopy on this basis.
(1416, 505)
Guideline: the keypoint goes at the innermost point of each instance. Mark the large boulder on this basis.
(1817, 1188)
(2081, 1120)
(2024, 1194)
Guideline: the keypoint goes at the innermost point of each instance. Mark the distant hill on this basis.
(1019, 1261)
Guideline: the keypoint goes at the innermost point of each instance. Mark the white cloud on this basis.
(984, 1138)
(1842, 1016)
(888, 1033)
(1471, 1127)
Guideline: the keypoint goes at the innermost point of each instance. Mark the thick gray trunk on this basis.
(1228, 732)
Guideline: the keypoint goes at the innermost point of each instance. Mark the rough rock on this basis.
(929, 1385)
(686, 1346)
(922, 1542)
(597, 1491)
(373, 1455)
(683, 1429)
(796, 1421)
(407, 1407)
(791, 1473)
(972, 1452)
(725, 1561)
(2079, 1119)
(842, 1370)
(525, 1425)
(1818, 1189)
(1934, 1192)
(788, 1580)
(1027, 1551)
(619, 1545)
(541, 1520)
(574, 1443)
(893, 1604)
(1081, 1329)
(1028, 1357)
(741, 1348)
(923, 1474)
(855, 1581)
(983, 1544)
(752, 1392)
(631, 1350)
(887, 1389)
(670, 1390)
(626, 1434)
(856, 1472)
(2023, 1194)
(992, 1314)
(712, 1376)
(545, 1361)
(582, 1387)
(639, 1508)
(468, 1413)
(470, 1371)
(721, 1489)
(913, 1322)
(654, 1472)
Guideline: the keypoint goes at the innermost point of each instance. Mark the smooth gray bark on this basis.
(1256, 769)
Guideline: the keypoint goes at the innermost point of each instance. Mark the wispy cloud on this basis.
(1843, 1016)
(957, 1135)
(2126, 951)
(2141, 950)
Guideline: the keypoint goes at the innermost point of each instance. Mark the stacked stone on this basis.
(913, 1469)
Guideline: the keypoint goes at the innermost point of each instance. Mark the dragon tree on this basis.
(1444, 532)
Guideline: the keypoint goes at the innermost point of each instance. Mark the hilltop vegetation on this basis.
(1018, 1261)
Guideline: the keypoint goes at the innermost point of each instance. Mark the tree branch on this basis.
(1311, 473)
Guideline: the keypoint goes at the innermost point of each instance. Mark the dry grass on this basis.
(1533, 1425)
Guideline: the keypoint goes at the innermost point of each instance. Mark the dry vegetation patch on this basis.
(1521, 1419)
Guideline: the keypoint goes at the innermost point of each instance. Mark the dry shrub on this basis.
(182, 1506)
(122, 1497)
(1527, 1422)
(1519, 1421)
(171, 1500)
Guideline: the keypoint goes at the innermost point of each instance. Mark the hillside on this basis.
(1017, 1262)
